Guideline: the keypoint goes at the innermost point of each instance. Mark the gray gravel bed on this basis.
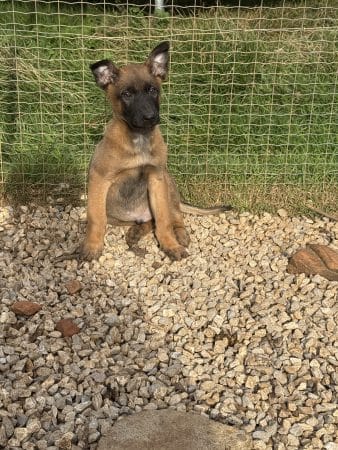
(227, 332)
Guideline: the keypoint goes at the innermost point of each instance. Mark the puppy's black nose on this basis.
(149, 116)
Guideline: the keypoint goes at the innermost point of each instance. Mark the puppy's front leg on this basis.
(92, 246)
(159, 202)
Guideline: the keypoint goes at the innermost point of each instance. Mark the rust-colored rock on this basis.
(73, 286)
(326, 254)
(305, 261)
(308, 262)
(25, 308)
(67, 327)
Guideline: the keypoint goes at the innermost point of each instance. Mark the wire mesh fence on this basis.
(249, 111)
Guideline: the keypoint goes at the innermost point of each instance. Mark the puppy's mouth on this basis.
(146, 125)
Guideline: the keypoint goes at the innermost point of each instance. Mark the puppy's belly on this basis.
(129, 203)
(134, 208)
(139, 215)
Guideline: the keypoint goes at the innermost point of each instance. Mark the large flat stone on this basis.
(173, 430)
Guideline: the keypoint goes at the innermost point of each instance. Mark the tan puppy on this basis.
(129, 183)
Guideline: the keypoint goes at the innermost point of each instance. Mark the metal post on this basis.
(159, 5)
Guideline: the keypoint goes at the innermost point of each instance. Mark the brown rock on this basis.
(29, 366)
(305, 261)
(67, 327)
(25, 308)
(308, 262)
(73, 286)
(326, 254)
(65, 442)
(167, 429)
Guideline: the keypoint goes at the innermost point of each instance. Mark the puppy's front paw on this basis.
(88, 251)
(176, 253)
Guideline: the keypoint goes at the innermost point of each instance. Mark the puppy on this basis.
(129, 183)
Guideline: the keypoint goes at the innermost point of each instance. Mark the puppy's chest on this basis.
(142, 149)
(141, 143)
(134, 182)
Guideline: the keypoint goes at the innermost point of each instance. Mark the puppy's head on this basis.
(134, 90)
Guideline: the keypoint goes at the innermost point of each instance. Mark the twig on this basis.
(323, 213)
(68, 256)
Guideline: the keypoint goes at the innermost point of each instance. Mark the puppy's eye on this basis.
(152, 90)
(126, 94)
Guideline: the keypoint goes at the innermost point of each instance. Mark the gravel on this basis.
(227, 332)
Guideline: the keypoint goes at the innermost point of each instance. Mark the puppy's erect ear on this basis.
(104, 72)
(158, 60)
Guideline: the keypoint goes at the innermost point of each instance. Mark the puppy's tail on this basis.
(189, 209)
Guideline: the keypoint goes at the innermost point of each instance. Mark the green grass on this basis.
(249, 111)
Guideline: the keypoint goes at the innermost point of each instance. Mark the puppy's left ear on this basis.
(158, 60)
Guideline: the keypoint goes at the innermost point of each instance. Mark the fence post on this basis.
(159, 6)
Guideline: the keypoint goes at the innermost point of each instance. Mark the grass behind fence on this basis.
(249, 111)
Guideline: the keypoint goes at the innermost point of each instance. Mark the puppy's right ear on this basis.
(105, 73)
